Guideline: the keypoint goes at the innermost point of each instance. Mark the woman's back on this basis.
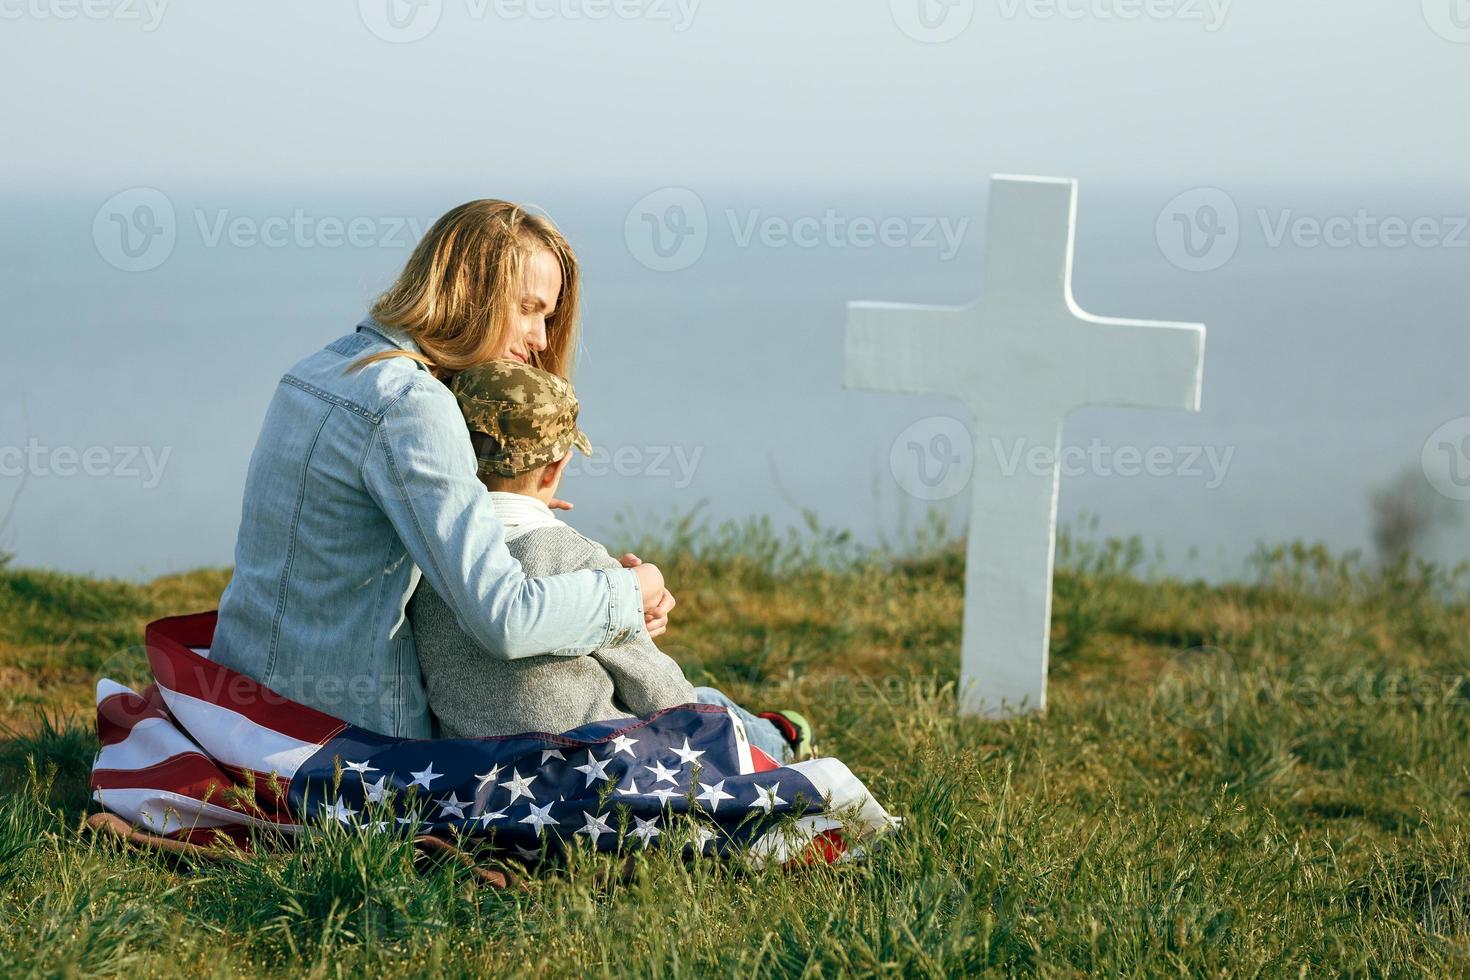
(315, 608)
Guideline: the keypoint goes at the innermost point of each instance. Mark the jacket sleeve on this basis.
(420, 470)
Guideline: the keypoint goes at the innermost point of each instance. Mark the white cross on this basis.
(1021, 359)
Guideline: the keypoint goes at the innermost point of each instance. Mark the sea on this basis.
(146, 328)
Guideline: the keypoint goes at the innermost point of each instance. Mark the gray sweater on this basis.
(473, 693)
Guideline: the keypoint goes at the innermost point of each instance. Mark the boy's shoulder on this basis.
(557, 548)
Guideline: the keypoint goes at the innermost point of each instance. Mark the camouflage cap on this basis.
(521, 417)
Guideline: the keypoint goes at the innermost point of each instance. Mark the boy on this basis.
(523, 426)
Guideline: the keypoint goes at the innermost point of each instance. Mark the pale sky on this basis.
(1327, 368)
(152, 92)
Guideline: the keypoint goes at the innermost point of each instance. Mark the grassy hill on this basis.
(1270, 777)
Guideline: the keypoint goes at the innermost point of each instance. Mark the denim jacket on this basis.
(362, 481)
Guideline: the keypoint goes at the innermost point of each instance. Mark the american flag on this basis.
(204, 753)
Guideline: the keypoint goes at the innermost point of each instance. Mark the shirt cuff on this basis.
(624, 605)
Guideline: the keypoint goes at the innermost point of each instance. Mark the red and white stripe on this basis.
(202, 748)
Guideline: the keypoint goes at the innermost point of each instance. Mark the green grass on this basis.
(1265, 778)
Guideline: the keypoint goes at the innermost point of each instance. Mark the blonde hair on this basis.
(459, 289)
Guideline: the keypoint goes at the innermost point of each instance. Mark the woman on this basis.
(363, 479)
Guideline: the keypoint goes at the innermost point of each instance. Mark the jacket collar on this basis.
(392, 335)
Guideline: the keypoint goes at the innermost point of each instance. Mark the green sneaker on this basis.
(793, 727)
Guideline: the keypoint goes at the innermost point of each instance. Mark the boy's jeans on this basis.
(762, 733)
